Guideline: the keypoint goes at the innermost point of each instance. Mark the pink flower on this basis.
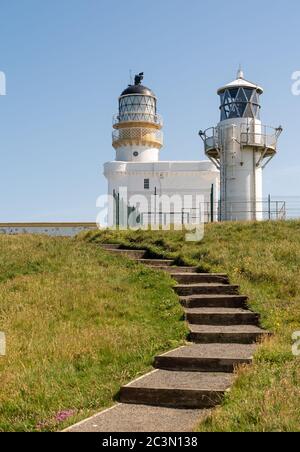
(63, 415)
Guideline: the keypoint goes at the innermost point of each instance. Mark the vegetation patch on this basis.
(264, 259)
(79, 323)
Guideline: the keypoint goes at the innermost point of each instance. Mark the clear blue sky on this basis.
(66, 62)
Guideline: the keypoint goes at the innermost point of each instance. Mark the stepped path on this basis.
(188, 382)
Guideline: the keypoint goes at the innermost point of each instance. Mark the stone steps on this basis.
(155, 262)
(214, 301)
(174, 270)
(193, 278)
(177, 389)
(224, 335)
(110, 246)
(235, 334)
(221, 316)
(206, 289)
(132, 254)
(206, 358)
(125, 417)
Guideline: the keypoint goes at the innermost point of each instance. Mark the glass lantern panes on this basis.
(233, 92)
(248, 93)
(241, 96)
(239, 103)
(137, 108)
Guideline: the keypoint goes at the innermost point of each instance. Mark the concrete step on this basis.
(141, 418)
(175, 270)
(206, 289)
(235, 334)
(177, 389)
(214, 301)
(193, 278)
(221, 316)
(110, 246)
(133, 254)
(155, 262)
(206, 358)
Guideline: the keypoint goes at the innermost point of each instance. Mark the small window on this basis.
(146, 184)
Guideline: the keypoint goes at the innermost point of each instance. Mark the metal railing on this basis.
(207, 213)
(267, 210)
(250, 135)
(143, 116)
(267, 137)
(210, 138)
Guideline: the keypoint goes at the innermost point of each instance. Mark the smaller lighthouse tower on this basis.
(137, 135)
(240, 147)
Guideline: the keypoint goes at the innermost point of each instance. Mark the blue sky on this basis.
(66, 62)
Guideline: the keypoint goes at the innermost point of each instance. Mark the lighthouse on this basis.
(240, 146)
(160, 192)
(137, 135)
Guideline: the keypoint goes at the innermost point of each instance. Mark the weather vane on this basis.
(138, 78)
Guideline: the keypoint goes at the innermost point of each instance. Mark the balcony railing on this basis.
(260, 136)
(266, 137)
(210, 138)
(132, 117)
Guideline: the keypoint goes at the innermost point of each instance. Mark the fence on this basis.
(292, 207)
(266, 209)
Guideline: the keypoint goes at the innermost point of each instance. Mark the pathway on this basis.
(191, 380)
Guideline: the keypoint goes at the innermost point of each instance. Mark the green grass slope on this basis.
(264, 258)
(79, 323)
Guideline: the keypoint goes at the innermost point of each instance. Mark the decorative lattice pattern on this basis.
(138, 134)
(137, 108)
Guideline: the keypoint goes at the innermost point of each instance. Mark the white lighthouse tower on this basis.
(240, 147)
(137, 136)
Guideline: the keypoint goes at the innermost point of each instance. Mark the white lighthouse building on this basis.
(240, 147)
(137, 140)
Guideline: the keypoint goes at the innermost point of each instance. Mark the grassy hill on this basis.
(264, 258)
(79, 323)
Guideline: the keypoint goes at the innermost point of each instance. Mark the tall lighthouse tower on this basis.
(137, 135)
(240, 147)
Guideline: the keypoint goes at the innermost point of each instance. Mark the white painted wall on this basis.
(145, 154)
(169, 178)
(241, 179)
(54, 231)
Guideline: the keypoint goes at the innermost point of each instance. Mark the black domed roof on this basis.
(138, 89)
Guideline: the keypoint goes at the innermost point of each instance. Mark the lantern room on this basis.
(240, 99)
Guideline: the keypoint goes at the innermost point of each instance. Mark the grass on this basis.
(264, 258)
(79, 323)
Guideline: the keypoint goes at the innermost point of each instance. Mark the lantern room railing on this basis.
(153, 119)
(265, 136)
(257, 136)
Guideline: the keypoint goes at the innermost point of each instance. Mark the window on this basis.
(146, 184)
